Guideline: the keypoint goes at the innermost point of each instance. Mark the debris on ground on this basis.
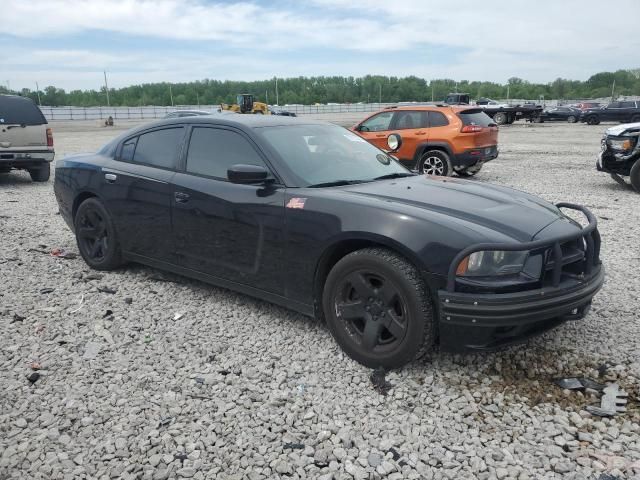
(62, 253)
(45, 291)
(178, 316)
(91, 350)
(93, 276)
(293, 446)
(17, 318)
(380, 383)
(614, 401)
(33, 377)
(35, 366)
(578, 383)
(107, 290)
(108, 313)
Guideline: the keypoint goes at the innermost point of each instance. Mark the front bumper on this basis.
(490, 321)
(475, 156)
(485, 321)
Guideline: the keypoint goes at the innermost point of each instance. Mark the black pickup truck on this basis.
(620, 154)
(501, 113)
(623, 111)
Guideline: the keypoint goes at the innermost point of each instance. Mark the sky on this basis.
(68, 43)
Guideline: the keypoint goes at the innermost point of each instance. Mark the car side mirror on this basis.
(362, 128)
(394, 142)
(247, 174)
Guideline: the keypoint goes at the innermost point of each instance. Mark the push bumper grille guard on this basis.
(589, 233)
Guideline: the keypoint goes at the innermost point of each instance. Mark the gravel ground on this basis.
(173, 378)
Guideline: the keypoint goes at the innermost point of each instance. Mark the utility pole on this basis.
(171, 95)
(106, 88)
(613, 87)
(266, 96)
(379, 93)
(8, 85)
(198, 99)
(508, 92)
(277, 98)
(432, 93)
(38, 92)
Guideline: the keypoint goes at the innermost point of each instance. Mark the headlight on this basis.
(620, 145)
(492, 263)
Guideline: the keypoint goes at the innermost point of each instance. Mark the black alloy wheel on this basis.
(593, 120)
(378, 308)
(96, 236)
(572, 119)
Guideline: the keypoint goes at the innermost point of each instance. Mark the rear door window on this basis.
(627, 104)
(16, 110)
(159, 148)
(212, 151)
(475, 117)
(410, 119)
(437, 119)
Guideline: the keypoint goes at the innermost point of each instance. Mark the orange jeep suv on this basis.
(436, 140)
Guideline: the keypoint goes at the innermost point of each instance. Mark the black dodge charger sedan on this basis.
(310, 216)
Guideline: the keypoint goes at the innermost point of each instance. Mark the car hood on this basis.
(620, 129)
(515, 214)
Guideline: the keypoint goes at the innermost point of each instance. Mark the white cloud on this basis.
(498, 39)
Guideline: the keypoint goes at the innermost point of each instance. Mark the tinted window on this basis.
(475, 117)
(128, 147)
(411, 120)
(627, 104)
(212, 151)
(159, 148)
(614, 105)
(19, 110)
(437, 119)
(378, 123)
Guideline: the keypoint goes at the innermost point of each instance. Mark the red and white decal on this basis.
(296, 202)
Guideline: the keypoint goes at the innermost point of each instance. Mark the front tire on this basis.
(96, 236)
(40, 174)
(435, 162)
(572, 119)
(378, 308)
(593, 120)
(634, 176)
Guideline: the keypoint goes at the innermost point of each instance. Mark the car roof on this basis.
(237, 120)
(436, 107)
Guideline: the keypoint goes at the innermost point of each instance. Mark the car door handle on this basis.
(110, 177)
(380, 135)
(181, 197)
(421, 132)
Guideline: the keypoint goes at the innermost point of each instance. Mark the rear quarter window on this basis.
(16, 110)
(475, 117)
(437, 119)
(159, 148)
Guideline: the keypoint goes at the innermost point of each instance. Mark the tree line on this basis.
(338, 89)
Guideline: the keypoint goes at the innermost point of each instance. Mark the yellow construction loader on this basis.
(245, 104)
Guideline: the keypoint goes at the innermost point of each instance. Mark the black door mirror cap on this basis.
(247, 174)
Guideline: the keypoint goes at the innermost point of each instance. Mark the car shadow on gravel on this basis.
(14, 178)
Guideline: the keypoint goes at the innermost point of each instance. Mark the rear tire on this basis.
(572, 119)
(378, 308)
(435, 162)
(634, 176)
(500, 118)
(40, 174)
(96, 236)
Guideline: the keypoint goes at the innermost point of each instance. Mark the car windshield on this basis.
(326, 155)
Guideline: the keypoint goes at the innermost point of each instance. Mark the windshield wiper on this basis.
(336, 183)
(395, 175)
